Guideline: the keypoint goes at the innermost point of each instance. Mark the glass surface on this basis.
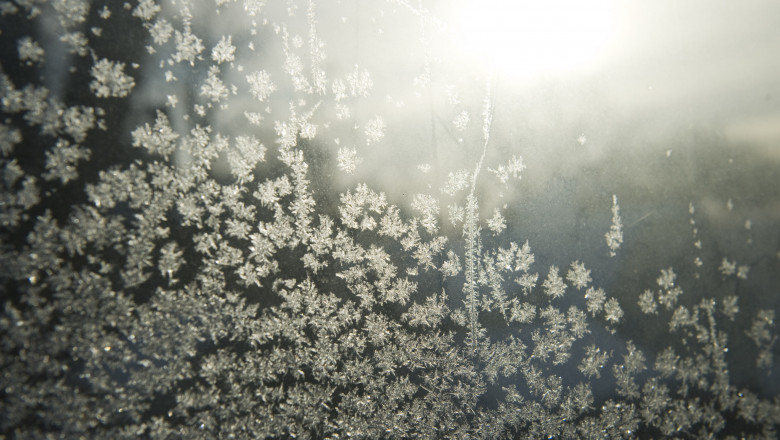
(389, 219)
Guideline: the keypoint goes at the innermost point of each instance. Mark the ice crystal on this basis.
(61, 161)
(742, 272)
(669, 297)
(375, 130)
(451, 267)
(213, 88)
(348, 160)
(146, 10)
(578, 275)
(161, 31)
(760, 334)
(527, 281)
(727, 267)
(614, 236)
(30, 51)
(593, 362)
(71, 12)
(496, 223)
(170, 261)
(429, 314)
(666, 280)
(428, 206)
(8, 138)
(461, 121)
(253, 7)
(260, 84)
(224, 51)
(511, 169)
(595, 299)
(612, 311)
(633, 362)
(554, 285)
(456, 214)
(523, 313)
(456, 182)
(352, 207)
(647, 302)
(159, 139)
(110, 80)
(360, 83)
(243, 159)
(77, 121)
(188, 46)
(730, 307)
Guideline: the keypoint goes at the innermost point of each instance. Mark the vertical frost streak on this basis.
(471, 230)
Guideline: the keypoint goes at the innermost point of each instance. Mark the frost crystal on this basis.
(511, 169)
(497, 223)
(554, 285)
(30, 51)
(451, 267)
(727, 267)
(730, 307)
(578, 275)
(612, 311)
(71, 12)
(360, 83)
(161, 31)
(188, 46)
(243, 159)
(456, 214)
(146, 10)
(428, 206)
(523, 313)
(595, 299)
(61, 161)
(78, 121)
(110, 80)
(224, 51)
(158, 139)
(456, 182)
(647, 302)
(614, 236)
(594, 361)
(253, 7)
(8, 138)
(214, 89)
(348, 160)
(260, 85)
(353, 205)
(77, 41)
(666, 280)
(170, 261)
(375, 130)
(461, 122)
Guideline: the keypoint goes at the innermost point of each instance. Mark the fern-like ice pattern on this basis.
(195, 244)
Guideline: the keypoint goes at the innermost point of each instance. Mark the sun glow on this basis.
(524, 39)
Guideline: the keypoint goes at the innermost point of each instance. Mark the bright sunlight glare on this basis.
(528, 38)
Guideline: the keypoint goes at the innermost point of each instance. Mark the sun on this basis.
(524, 39)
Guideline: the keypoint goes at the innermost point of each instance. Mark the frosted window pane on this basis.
(388, 219)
